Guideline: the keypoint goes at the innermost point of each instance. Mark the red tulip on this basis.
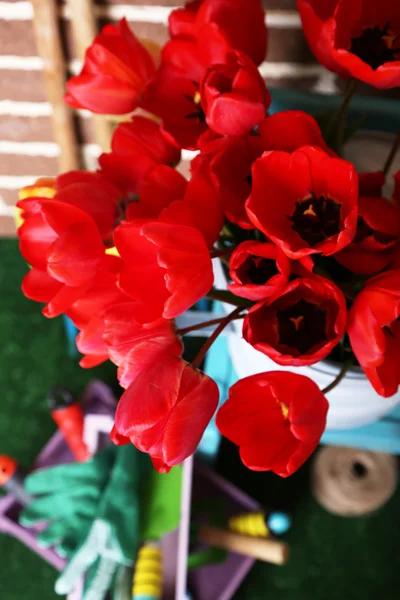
(63, 245)
(289, 130)
(136, 147)
(112, 333)
(44, 187)
(35, 235)
(355, 38)
(378, 231)
(233, 95)
(232, 164)
(258, 270)
(88, 313)
(371, 184)
(300, 324)
(200, 206)
(165, 411)
(396, 193)
(115, 75)
(134, 348)
(305, 202)
(275, 418)
(144, 137)
(161, 186)
(90, 343)
(94, 194)
(182, 21)
(174, 95)
(374, 331)
(167, 268)
(242, 22)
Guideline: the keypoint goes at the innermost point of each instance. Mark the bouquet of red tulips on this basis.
(309, 246)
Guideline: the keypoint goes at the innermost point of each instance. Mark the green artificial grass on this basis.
(33, 358)
(332, 558)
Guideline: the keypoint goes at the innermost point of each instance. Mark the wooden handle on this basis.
(271, 551)
(45, 21)
(84, 29)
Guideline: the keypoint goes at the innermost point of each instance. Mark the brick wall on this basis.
(27, 148)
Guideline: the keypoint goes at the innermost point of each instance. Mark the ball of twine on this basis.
(350, 482)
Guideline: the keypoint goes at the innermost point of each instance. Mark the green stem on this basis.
(218, 253)
(339, 117)
(392, 155)
(350, 295)
(203, 325)
(346, 366)
(205, 348)
(222, 296)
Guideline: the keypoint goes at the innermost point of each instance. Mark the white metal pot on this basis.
(352, 403)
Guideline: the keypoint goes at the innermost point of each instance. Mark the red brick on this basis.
(10, 197)
(13, 164)
(7, 227)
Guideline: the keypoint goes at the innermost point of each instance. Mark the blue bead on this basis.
(279, 522)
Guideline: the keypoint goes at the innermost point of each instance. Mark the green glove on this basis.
(67, 498)
(113, 536)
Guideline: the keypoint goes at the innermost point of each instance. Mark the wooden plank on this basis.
(84, 29)
(49, 48)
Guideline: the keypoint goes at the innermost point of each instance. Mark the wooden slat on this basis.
(84, 29)
(49, 48)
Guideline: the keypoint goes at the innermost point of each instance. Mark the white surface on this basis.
(354, 402)
(379, 146)
(93, 426)
(184, 530)
(351, 404)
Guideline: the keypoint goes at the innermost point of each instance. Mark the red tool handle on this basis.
(70, 423)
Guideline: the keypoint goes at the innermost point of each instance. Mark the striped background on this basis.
(27, 148)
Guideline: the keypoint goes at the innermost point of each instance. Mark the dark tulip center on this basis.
(302, 326)
(376, 46)
(222, 83)
(364, 231)
(359, 470)
(316, 219)
(257, 270)
(197, 112)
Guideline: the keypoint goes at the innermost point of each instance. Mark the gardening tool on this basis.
(12, 479)
(147, 575)
(69, 417)
(260, 524)
(267, 550)
(92, 513)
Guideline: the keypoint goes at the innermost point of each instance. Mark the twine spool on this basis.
(351, 482)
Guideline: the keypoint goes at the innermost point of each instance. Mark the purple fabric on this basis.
(220, 581)
(97, 399)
